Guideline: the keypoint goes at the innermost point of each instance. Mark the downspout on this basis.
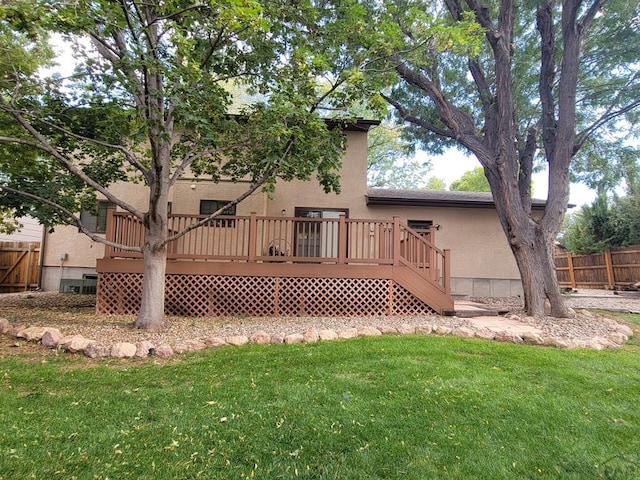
(43, 246)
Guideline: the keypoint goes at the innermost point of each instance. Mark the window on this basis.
(420, 225)
(317, 238)
(207, 207)
(96, 221)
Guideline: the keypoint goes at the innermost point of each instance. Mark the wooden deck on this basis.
(282, 266)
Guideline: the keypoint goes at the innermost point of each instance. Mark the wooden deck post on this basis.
(396, 240)
(447, 271)
(342, 239)
(608, 261)
(253, 236)
(110, 232)
(433, 259)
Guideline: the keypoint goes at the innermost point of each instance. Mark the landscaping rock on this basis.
(261, 338)
(143, 348)
(4, 326)
(97, 350)
(464, 332)
(123, 350)
(35, 334)
(75, 343)
(508, 337)
(532, 338)
(625, 330)
(162, 351)
(237, 340)
(406, 329)
(618, 338)
(294, 338)
(51, 338)
(424, 329)
(214, 341)
(442, 330)
(15, 329)
(348, 333)
(555, 342)
(485, 333)
(387, 329)
(189, 346)
(327, 335)
(369, 332)
(277, 338)
(310, 336)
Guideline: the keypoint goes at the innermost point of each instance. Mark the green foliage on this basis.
(603, 224)
(471, 181)
(151, 97)
(435, 183)
(389, 162)
(392, 407)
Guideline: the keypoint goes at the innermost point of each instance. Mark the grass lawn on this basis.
(389, 407)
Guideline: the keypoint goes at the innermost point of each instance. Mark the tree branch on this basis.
(544, 24)
(126, 152)
(405, 115)
(72, 219)
(68, 165)
(583, 136)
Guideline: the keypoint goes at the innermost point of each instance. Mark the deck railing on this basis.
(298, 240)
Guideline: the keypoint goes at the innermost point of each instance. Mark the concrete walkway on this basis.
(482, 317)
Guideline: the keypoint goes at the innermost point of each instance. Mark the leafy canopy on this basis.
(150, 98)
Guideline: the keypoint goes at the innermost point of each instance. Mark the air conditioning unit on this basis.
(78, 285)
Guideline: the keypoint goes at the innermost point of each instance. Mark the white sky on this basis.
(452, 165)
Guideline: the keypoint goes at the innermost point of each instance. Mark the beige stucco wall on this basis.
(481, 261)
(188, 192)
(353, 183)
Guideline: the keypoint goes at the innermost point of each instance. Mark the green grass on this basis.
(389, 407)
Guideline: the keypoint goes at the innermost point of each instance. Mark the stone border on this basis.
(53, 338)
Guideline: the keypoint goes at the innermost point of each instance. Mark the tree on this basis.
(512, 83)
(604, 224)
(435, 183)
(389, 164)
(471, 181)
(148, 101)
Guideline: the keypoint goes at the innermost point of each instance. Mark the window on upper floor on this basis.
(96, 220)
(207, 207)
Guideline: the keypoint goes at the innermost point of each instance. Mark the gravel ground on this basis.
(592, 299)
(74, 314)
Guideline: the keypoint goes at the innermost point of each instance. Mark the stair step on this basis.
(476, 312)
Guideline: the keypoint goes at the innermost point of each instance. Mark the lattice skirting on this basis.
(222, 296)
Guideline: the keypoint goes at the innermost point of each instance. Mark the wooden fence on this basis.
(19, 266)
(615, 267)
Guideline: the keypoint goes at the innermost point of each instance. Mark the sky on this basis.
(452, 165)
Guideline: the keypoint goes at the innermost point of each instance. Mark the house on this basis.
(300, 251)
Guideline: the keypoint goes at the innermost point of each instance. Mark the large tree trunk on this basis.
(534, 257)
(531, 241)
(151, 315)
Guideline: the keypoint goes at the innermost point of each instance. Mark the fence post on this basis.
(609, 265)
(572, 274)
(396, 240)
(253, 236)
(342, 239)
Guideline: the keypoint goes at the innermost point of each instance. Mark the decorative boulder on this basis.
(123, 350)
